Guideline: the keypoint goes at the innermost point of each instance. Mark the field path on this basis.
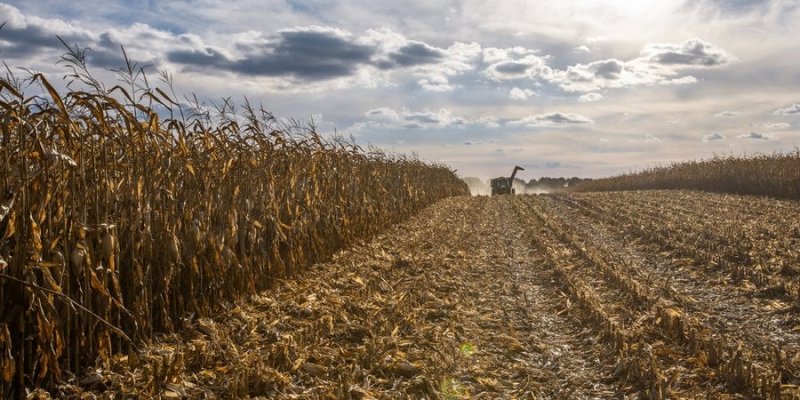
(451, 304)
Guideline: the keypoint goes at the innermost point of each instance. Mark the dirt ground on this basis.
(511, 297)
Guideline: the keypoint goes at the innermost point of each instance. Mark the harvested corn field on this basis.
(592, 295)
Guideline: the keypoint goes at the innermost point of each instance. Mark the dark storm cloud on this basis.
(306, 55)
(693, 52)
(106, 59)
(207, 57)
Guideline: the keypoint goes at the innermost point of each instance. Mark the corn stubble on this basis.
(116, 225)
(676, 334)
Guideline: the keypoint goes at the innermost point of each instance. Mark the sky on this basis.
(586, 88)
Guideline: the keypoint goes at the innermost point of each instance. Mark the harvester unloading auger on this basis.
(503, 185)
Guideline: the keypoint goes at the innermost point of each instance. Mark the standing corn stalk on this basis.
(115, 224)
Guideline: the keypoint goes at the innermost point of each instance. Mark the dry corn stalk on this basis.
(147, 223)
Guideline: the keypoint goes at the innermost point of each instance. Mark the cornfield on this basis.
(117, 224)
(775, 175)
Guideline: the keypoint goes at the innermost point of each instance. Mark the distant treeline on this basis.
(552, 183)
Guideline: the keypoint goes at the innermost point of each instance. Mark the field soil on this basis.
(581, 296)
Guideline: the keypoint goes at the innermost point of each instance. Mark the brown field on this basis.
(653, 294)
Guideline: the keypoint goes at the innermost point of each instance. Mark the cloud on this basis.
(582, 49)
(684, 80)
(520, 94)
(416, 53)
(460, 58)
(653, 138)
(29, 35)
(793, 109)
(608, 69)
(729, 8)
(690, 53)
(382, 114)
(289, 58)
(713, 136)
(658, 63)
(305, 54)
(590, 97)
(420, 119)
(728, 114)
(553, 119)
(514, 63)
(592, 76)
(755, 135)
(488, 122)
(406, 119)
(774, 126)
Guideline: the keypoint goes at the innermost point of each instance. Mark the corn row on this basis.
(730, 360)
(775, 175)
(116, 225)
(697, 244)
(636, 361)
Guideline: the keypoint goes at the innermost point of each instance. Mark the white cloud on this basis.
(460, 58)
(488, 121)
(590, 97)
(530, 66)
(385, 117)
(793, 109)
(658, 63)
(520, 94)
(382, 114)
(684, 80)
(653, 138)
(693, 52)
(553, 119)
(774, 126)
(582, 49)
(755, 135)
(728, 114)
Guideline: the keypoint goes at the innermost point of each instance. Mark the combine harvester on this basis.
(503, 185)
